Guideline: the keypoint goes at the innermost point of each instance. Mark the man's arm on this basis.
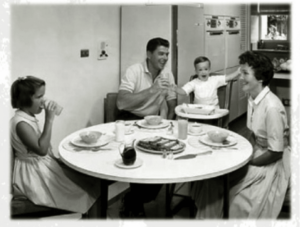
(171, 109)
(131, 101)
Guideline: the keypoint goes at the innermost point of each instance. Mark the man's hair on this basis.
(156, 42)
(23, 89)
(261, 65)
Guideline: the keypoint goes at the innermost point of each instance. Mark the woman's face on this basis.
(202, 69)
(250, 83)
(37, 101)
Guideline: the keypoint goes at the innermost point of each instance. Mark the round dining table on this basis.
(153, 167)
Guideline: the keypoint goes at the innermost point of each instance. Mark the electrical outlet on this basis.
(84, 53)
(102, 51)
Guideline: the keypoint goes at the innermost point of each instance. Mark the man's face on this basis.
(159, 57)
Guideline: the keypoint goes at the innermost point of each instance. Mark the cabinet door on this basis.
(139, 24)
(190, 42)
(232, 10)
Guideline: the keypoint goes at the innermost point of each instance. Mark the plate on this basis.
(138, 162)
(205, 139)
(159, 152)
(104, 139)
(198, 109)
(144, 124)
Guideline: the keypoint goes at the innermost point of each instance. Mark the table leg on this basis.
(226, 196)
(169, 194)
(103, 198)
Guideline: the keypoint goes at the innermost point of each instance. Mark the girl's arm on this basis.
(27, 135)
(233, 75)
(266, 158)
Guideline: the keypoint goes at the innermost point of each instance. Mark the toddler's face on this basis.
(202, 69)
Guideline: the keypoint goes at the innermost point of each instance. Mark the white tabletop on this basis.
(155, 168)
(218, 114)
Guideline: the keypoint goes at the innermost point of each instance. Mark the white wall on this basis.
(46, 41)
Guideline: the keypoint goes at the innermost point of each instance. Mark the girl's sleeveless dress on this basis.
(44, 179)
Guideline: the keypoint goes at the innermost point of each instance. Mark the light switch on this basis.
(102, 51)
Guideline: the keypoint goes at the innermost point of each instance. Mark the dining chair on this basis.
(111, 110)
(224, 96)
(22, 208)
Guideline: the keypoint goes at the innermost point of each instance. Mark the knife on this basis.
(189, 156)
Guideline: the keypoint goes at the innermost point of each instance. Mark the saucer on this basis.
(195, 133)
(138, 162)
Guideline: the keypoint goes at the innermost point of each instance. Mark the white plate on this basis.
(144, 124)
(138, 162)
(205, 139)
(104, 139)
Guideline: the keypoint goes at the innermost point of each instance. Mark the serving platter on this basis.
(162, 149)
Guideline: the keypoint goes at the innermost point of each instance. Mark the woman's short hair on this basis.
(23, 89)
(156, 42)
(201, 59)
(261, 65)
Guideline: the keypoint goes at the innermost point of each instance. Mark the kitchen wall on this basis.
(46, 41)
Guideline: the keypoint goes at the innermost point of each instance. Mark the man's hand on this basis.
(160, 84)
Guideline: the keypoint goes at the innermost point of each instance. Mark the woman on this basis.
(258, 189)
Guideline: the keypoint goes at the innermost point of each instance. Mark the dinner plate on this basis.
(144, 124)
(206, 140)
(138, 162)
(103, 140)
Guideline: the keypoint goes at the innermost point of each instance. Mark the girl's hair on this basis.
(261, 65)
(201, 59)
(23, 89)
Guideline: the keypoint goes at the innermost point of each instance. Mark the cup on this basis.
(182, 128)
(120, 131)
(195, 128)
(128, 154)
(58, 109)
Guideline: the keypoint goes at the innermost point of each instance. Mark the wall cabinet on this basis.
(232, 10)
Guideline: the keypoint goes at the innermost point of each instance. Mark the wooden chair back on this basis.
(111, 110)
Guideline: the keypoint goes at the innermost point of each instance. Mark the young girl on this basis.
(37, 174)
(205, 86)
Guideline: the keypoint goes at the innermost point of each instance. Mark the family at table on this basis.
(257, 190)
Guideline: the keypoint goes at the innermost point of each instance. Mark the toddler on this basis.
(205, 86)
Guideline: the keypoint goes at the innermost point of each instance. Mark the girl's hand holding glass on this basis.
(51, 106)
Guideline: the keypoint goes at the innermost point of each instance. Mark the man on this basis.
(144, 90)
(144, 86)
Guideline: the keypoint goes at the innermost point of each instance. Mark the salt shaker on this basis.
(120, 131)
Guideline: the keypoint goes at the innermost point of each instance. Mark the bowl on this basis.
(153, 119)
(90, 136)
(218, 136)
